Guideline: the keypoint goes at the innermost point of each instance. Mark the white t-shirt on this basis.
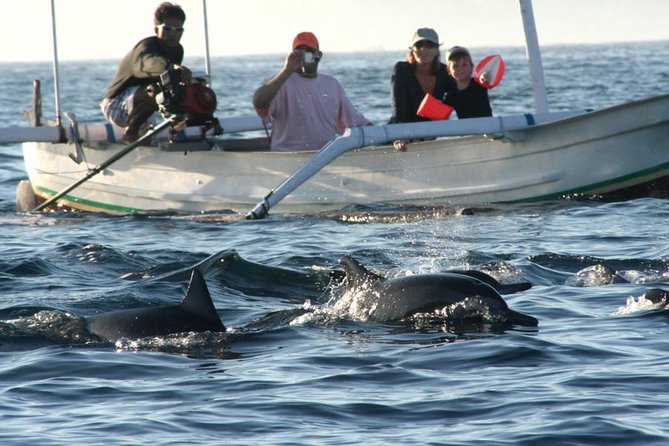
(307, 112)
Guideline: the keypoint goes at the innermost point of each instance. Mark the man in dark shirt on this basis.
(127, 102)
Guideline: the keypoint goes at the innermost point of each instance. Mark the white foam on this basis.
(637, 305)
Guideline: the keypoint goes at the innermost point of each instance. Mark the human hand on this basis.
(483, 78)
(186, 74)
(400, 145)
(293, 62)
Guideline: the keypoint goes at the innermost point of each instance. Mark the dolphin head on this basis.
(657, 296)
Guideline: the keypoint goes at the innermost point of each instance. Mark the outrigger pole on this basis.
(207, 65)
(534, 56)
(56, 77)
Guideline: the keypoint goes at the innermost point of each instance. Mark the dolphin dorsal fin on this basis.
(198, 300)
(356, 273)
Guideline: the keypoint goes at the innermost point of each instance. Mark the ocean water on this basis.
(594, 372)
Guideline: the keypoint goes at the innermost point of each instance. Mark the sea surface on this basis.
(594, 372)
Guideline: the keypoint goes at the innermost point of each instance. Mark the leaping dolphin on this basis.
(398, 298)
(196, 313)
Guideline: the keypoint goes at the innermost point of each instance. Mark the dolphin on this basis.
(657, 296)
(337, 277)
(501, 288)
(196, 313)
(596, 275)
(398, 298)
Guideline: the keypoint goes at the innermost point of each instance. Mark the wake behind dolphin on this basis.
(456, 296)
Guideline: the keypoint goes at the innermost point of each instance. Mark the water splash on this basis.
(201, 345)
(640, 304)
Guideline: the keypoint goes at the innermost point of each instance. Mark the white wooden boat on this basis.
(466, 162)
(592, 153)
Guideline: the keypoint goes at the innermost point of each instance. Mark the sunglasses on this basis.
(425, 44)
(172, 29)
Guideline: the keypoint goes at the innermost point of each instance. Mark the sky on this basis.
(107, 29)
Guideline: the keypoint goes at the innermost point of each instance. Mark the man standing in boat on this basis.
(306, 109)
(127, 101)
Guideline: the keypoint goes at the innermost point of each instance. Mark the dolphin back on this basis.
(197, 301)
(502, 288)
(457, 295)
(195, 313)
(424, 293)
(356, 274)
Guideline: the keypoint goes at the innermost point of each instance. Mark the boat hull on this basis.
(596, 153)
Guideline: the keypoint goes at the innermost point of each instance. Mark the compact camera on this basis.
(308, 57)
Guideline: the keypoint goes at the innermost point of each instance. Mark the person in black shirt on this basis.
(127, 102)
(422, 73)
(469, 98)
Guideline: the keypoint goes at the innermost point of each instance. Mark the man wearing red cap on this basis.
(306, 109)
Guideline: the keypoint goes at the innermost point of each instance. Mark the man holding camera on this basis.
(306, 109)
(128, 102)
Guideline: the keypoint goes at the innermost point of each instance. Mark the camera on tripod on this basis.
(194, 100)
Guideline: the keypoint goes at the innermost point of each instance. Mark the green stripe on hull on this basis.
(590, 187)
(102, 207)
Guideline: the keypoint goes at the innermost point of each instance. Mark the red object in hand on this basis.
(433, 109)
(493, 67)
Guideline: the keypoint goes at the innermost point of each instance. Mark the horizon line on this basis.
(366, 51)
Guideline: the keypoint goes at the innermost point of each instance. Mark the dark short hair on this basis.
(165, 10)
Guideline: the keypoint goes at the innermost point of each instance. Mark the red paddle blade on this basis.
(492, 68)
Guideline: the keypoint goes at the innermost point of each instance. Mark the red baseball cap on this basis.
(305, 38)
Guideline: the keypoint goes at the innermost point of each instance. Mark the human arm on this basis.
(475, 102)
(486, 109)
(347, 114)
(399, 93)
(150, 59)
(398, 98)
(472, 102)
(265, 94)
(155, 65)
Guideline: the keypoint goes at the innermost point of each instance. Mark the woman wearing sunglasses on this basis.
(422, 73)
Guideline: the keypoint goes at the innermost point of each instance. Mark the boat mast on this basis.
(207, 66)
(56, 77)
(534, 56)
